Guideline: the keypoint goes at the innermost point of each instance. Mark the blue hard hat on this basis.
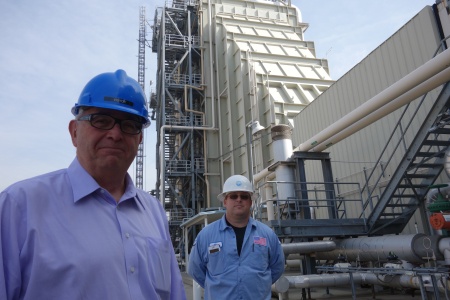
(115, 91)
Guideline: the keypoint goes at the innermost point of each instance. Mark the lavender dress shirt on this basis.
(64, 237)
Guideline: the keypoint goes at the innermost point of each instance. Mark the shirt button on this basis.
(127, 235)
(132, 269)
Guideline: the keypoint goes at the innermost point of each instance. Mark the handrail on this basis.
(319, 200)
(398, 143)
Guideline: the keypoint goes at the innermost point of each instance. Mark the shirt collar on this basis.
(223, 223)
(83, 184)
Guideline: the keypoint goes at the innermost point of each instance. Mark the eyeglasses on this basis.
(107, 122)
(242, 196)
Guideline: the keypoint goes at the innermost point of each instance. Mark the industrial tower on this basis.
(179, 106)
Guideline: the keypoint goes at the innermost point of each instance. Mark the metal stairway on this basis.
(419, 168)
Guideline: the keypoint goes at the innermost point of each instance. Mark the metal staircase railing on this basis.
(419, 168)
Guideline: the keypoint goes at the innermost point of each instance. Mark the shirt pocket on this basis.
(259, 257)
(159, 261)
(216, 264)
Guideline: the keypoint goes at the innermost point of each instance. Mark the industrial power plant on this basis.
(352, 175)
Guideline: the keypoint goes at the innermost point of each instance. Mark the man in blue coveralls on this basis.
(236, 257)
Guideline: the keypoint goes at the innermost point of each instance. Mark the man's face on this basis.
(238, 204)
(102, 151)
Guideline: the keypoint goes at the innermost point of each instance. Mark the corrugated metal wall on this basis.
(410, 47)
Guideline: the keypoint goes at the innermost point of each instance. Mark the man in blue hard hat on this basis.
(86, 232)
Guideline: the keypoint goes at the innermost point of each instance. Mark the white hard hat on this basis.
(236, 183)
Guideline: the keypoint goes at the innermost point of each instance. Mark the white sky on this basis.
(50, 49)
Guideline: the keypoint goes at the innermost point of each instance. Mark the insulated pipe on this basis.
(342, 279)
(419, 75)
(282, 143)
(445, 191)
(294, 263)
(414, 248)
(400, 101)
(260, 175)
(408, 280)
(281, 285)
(322, 280)
(269, 204)
(211, 79)
(308, 247)
(444, 247)
(282, 150)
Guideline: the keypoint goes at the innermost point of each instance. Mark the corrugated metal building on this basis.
(362, 153)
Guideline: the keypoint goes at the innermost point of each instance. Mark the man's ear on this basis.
(73, 131)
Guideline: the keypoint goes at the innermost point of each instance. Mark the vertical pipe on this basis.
(269, 203)
(282, 150)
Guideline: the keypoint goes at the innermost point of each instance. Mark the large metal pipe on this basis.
(261, 174)
(432, 194)
(282, 150)
(308, 247)
(444, 248)
(282, 143)
(322, 280)
(281, 285)
(268, 192)
(414, 248)
(416, 77)
(344, 279)
(402, 100)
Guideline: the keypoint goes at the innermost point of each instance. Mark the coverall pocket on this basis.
(216, 264)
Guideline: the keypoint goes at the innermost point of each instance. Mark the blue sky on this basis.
(50, 49)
